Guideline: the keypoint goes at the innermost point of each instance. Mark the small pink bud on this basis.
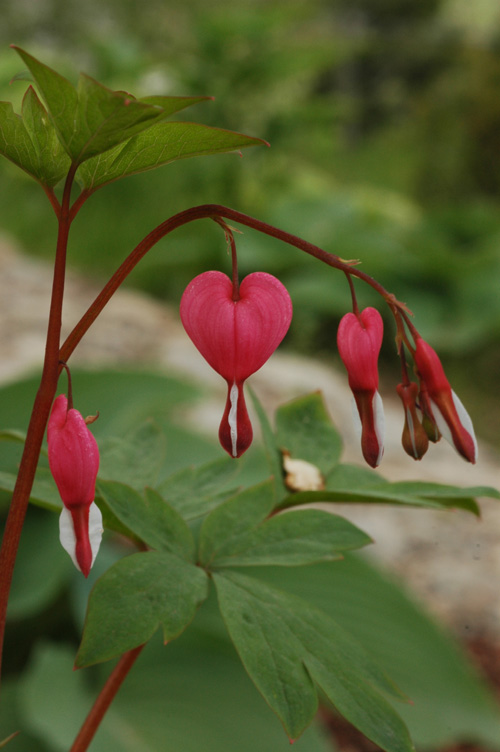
(74, 462)
(236, 337)
(414, 439)
(445, 408)
(359, 339)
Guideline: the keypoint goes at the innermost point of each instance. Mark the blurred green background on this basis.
(383, 118)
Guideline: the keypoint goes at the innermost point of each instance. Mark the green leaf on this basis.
(349, 484)
(18, 437)
(286, 645)
(450, 701)
(90, 119)
(160, 144)
(271, 447)
(31, 141)
(134, 598)
(234, 518)
(44, 492)
(237, 533)
(195, 491)
(53, 162)
(171, 105)
(150, 518)
(304, 428)
(153, 711)
(135, 459)
(41, 566)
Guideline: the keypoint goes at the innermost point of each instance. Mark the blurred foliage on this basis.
(384, 123)
(199, 675)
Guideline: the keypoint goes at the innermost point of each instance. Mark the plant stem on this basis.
(213, 211)
(104, 700)
(39, 415)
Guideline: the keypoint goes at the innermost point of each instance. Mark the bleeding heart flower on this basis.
(74, 462)
(359, 339)
(236, 334)
(441, 405)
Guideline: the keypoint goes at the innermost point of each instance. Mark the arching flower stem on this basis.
(215, 212)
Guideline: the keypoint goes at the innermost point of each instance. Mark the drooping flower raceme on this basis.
(446, 410)
(359, 339)
(236, 337)
(74, 462)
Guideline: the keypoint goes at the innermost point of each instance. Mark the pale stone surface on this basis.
(451, 560)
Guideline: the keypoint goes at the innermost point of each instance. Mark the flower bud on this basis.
(74, 462)
(445, 408)
(359, 339)
(236, 337)
(414, 439)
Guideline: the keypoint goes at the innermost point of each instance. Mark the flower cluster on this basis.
(237, 328)
(432, 409)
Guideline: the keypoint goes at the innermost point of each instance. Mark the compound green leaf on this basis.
(158, 145)
(134, 598)
(304, 428)
(91, 118)
(287, 646)
(150, 518)
(237, 533)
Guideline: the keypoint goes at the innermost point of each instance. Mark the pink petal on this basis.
(359, 340)
(236, 337)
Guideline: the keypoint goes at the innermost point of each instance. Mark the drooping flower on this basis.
(444, 408)
(74, 462)
(236, 337)
(414, 439)
(359, 339)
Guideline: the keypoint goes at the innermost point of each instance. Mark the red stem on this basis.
(39, 415)
(205, 211)
(104, 700)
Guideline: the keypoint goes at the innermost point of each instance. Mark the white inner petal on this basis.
(95, 529)
(67, 532)
(232, 419)
(465, 420)
(67, 535)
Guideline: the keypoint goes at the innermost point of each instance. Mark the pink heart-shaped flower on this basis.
(236, 337)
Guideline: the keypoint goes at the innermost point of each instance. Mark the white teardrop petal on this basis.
(67, 535)
(465, 420)
(95, 529)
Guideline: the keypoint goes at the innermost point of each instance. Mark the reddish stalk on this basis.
(104, 700)
(215, 212)
(39, 415)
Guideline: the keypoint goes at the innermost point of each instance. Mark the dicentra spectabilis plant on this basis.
(73, 141)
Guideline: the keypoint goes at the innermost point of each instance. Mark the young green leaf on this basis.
(31, 142)
(237, 533)
(160, 144)
(150, 518)
(194, 491)
(304, 428)
(234, 518)
(305, 536)
(136, 458)
(271, 447)
(91, 118)
(134, 598)
(286, 646)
